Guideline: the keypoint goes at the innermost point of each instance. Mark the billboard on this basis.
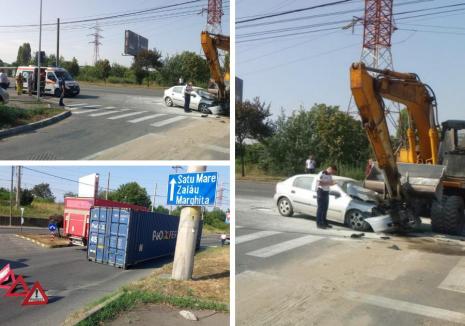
(133, 43)
(88, 185)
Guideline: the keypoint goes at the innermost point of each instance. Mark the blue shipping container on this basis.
(123, 237)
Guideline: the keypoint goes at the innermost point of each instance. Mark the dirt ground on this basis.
(162, 315)
(306, 290)
(47, 240)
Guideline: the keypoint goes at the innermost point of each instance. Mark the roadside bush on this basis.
(216, 219)
(120, 80)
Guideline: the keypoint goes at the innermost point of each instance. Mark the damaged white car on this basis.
(349, 202)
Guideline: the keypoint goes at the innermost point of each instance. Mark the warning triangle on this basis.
(35, 296)
(19, 281)
(6, 274)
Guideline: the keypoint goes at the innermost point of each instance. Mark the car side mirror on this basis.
(336, 194)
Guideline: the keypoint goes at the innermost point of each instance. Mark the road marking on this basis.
(168, 121)
(283, 246)
(455, 280)
(126, 115)
(92, 106)
(215, 148)
(76, 105)
(239, 226)
(257, 275)
(254, 236)
(406, 306)
(147, 117)
(106, 113)
(86, 111)
(109, 107)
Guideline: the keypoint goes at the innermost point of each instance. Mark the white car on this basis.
(349, 202)
(4, 96)
(201, 99)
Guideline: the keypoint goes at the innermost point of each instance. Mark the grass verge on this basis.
(120, 85)
(209, 289)
(36, 210)
(13, 116)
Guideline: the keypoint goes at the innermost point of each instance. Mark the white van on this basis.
(49, 80)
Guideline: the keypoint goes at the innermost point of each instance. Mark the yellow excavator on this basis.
(210, 45)
(425, 176)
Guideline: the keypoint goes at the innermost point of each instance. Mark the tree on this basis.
(176, 211)
(103, 68)
(71, 66)
(118, 70)
(26, 197)
(24, 55)
(43, 191)
(251, 122)
(216, 218)
(188, 65)
(161, 209)
(332, 136)
(70, 194)
(131, 193)
(144, 61)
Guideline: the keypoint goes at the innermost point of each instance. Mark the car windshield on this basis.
(356, 190)
(204, 93)
(63, 74)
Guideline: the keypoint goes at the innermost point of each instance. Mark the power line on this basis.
(293, 11)
(139, 12)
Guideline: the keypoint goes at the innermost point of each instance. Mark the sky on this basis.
(148, 177)
(170, 31)
(310, 68)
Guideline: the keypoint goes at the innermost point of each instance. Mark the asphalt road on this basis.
(106, 118)
(70, 279)
(290, 273)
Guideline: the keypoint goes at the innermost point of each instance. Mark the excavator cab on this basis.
(452, 148)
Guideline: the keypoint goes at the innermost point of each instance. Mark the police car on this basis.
(349, 202)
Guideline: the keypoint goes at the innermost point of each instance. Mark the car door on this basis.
(195, 99)
(50, 83)
(301, 195)
(178, 95)
(338, 202)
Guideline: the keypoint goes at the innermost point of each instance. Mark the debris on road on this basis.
(188, 315)
(357, 235)
(395, 247)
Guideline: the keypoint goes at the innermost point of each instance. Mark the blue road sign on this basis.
(192, 189)
(52, 227)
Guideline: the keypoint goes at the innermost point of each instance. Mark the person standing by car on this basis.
(310, 165)
(324, 181)
(3, 80)
(19, 84)
(62, 86)
(187, 97)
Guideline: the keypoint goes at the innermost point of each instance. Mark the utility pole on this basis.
(154, 196)
(108, 186)
(96, 42)
(40, 51)
(11, 192)
(18, 187)
(58, 42)
(186, 241)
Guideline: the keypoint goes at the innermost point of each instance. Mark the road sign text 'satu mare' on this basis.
(192, 189)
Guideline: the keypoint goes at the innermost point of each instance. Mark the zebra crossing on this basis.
(266, 244)
(113, 113)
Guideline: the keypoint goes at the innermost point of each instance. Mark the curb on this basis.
(40, 243)
(93, 311)
(35, 125)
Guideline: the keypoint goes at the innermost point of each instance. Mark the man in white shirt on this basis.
(310, 165)
(324, 181)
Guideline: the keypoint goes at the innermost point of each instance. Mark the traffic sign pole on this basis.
(189, 222)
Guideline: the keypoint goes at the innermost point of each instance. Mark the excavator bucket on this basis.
(420, 180)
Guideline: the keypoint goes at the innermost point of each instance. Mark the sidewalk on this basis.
(162, 315)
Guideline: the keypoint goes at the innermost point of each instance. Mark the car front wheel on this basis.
(204, 108)
(168, 101)
(356, 220)
(285, 207)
